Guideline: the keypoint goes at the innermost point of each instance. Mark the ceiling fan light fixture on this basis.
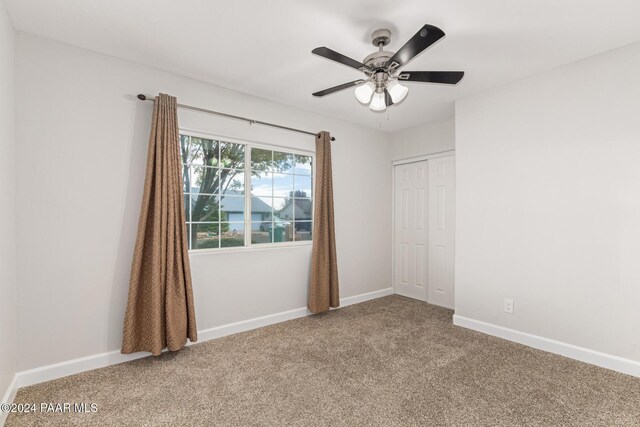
(364, 92)
(397, 91)
(380, 86)
(377, 102)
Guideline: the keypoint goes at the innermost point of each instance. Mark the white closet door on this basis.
(441, 231)
(410, 230)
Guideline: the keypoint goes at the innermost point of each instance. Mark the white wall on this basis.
(82, 142)
(424, 139)
(8, 316)
(548, 204)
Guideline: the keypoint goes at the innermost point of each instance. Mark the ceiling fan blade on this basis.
(446, 77)
(338, 88)
(338, 57)
(424, 38)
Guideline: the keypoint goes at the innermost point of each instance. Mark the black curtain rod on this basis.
(142, 97)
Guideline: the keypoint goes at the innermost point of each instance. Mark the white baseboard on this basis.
(608, 361)
(247, 325)
(75, 366)
(356, 299)
(259, 322)
(8, 397)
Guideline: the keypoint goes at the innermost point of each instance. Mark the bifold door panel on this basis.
(411, 230)
(441, 231)
(424, 230)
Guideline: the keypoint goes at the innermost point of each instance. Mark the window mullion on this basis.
(273, 200)
(217, 195)
(247, 195)
(293, 198)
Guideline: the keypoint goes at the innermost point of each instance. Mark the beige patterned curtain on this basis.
(160, 310)
(323, 292)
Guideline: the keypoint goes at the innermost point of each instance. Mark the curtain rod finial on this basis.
(142, 97)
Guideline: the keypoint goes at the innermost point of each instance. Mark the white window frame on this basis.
(248, 246)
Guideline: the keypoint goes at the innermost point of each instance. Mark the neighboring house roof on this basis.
(303, 208)
(236, 204)
(258, 205)
(232, 204)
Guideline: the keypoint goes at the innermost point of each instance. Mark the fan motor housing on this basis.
(378, 59)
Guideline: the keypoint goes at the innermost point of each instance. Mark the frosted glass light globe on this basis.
(397, 91)
(364, 92)
(377, 102)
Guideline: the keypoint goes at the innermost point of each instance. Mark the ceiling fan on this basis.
(381, 86)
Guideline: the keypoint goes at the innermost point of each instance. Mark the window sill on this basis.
(252, 248)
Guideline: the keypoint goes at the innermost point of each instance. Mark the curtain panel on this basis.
(160, 312)
(323, 290)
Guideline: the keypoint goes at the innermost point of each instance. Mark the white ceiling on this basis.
(264, 47)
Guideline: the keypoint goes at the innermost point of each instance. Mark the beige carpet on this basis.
(387, 362)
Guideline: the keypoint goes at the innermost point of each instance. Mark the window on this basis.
(220, 213)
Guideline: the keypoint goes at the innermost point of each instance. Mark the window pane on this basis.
(279, 230)
(204, 208)
(186, 179)
(303, 230)
(261, 209)
(231, 182)
(232, 155)
(203, 151)
(261, 160)
(260, 232)
(303, 209)
(231, 234)
(303, 186)
(204, 180)
(232, 208)
(271, 231)
(288, 232)
(204, 236)
(184, 148)
(187, 207)
(282, 218)
(262, 185)
(189, 235)
(281, 204)
(283, 162)
(282, 185)
(303, 165)
(285, 212)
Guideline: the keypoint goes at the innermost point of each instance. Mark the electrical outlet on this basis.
(508, 305)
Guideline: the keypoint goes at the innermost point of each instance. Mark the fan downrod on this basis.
(377, 61)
